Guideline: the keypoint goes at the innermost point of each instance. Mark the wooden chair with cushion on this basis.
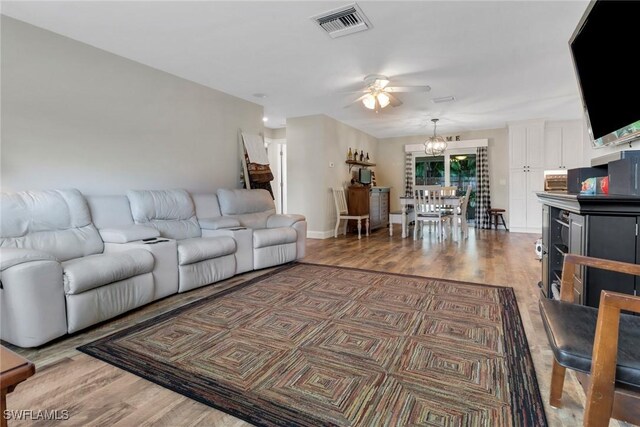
(342, 213)
(600, 344)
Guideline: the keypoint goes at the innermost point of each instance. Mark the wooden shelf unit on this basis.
(353, 163)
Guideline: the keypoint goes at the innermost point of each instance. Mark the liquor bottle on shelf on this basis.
(350, 154)
(361, 156)
(367, 156)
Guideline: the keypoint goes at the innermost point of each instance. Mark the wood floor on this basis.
(96, 393)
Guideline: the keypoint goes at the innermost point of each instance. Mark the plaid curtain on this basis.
(408, 179)
(483, 194)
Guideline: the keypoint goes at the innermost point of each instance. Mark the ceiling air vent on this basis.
(343, 21)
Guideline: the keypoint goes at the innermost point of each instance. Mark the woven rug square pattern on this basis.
(312, 345)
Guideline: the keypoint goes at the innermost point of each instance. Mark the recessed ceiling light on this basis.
(260, 95)
(443, 99)
(265, 119)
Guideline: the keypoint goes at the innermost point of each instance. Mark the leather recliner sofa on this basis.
(68, 262)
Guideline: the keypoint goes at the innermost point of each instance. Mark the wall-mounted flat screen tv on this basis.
(604, 47)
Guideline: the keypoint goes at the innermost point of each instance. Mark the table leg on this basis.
(3, 407)
(405, 231)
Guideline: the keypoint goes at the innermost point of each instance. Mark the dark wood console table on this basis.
(13, 370)
(601, 226)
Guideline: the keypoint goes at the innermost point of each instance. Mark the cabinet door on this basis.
(535, 183)
(517, 147)
(610, 237)
(553, 148)
(572, 146)
(517, 199)
(535, 146)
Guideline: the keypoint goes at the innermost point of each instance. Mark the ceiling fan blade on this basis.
(356, 100)
(393, 101)
(398, 89)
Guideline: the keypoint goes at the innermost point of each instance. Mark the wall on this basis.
(390, 168)
(280, 133)
(314, 143)
(77, 116)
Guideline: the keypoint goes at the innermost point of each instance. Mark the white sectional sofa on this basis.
(68, 261)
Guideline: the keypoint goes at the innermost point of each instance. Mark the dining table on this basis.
(406, 201)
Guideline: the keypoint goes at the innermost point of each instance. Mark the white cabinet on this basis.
(526, 174)
(563, 145)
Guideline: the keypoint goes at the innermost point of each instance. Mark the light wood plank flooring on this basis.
(96, 393)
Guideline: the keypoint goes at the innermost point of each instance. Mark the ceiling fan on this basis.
(378, 94)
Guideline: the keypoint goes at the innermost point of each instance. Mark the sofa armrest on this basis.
(10, 257)
(279, 220)
(218, 223)
(33, 304)
(128, 234)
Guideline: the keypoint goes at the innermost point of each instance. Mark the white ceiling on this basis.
(503, 61)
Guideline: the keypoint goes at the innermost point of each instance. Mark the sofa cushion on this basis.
(110, 211)
(207, 205)
(237, 202)
(170, 211)
(90, 272)
(273, 236)
(53, 221)
(251, 207)
(203, 248)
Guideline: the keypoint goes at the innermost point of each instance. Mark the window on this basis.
(429, 171)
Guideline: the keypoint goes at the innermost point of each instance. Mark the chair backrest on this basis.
(171, 212)
(57, 222)
(428, 201)
(464, 204)
(340, 201)
(251, 207)
(449, 191)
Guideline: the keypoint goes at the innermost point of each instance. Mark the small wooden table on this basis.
(13, 370)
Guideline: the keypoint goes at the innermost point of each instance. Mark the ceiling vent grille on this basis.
(343, 21)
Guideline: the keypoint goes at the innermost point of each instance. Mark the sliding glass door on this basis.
(456, 168)
(429, 171)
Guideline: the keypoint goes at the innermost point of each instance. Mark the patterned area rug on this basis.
(313, 345)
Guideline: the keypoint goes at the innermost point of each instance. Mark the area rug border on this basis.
(531, 397)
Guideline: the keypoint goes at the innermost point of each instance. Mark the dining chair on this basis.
(429, 208)
(342, 213)
(464, 226)
(599, 344)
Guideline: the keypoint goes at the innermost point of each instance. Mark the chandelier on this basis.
(435, 145)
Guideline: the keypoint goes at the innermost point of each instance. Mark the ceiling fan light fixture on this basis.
(369, 101)
(383, 99)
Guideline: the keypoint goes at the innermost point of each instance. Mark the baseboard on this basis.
(319, 234)
(526, 230)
